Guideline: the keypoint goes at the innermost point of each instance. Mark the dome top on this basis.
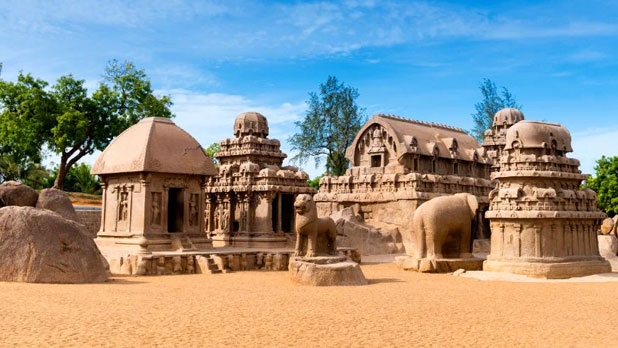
(251, 123)
(507, 117)
(535, 134)
(154, 144)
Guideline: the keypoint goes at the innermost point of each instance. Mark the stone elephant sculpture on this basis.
(444, 221)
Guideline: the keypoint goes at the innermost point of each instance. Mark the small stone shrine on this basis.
(250, 203)
(316, 260)
(397, 164)
(495, 138)
(543, 224)
(153, 177)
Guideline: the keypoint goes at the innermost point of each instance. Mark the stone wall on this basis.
(91, 218)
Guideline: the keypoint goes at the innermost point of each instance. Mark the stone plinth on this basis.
(409, 263)
(326, 271)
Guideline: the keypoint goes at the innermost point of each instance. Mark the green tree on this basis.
(486, 109)
(605, 183)
(211, 151)
(330, 124)
(315, 182)
(26, 116)
(84, 124)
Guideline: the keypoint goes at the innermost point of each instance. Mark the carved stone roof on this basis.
(154, 144)
(507, 117)
(251, 123)
(535, 134)
(424, 138)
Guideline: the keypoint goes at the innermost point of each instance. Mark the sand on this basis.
(249, 309)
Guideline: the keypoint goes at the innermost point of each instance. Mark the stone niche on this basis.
(153, 178)
(543, 224)
(250, 202)
(397, 164)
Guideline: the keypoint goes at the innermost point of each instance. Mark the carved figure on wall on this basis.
(225, 220)
(309, 227)
(268, 262)
(155, 209)
(193, 210)
(217, 219)
(190, 265)
(376, 137)
(123, 208)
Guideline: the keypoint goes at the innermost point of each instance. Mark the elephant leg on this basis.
(464, 248)
(420, 247)
(332, 228)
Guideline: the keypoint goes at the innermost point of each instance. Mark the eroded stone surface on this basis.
(608, 248)
(40, 246)
(57, 201)
(329, 274)
(17, 194)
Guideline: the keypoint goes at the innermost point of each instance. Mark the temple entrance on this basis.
(287, 212)
(175, 210)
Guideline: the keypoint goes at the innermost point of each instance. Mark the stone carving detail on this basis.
(543, 223)
(310, 228)
(397, 164)
(155, 209)
(123, 206)
(253, 194)
(194, 207)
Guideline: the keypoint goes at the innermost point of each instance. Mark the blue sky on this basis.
(422, 60)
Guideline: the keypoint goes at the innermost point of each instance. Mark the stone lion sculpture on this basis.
(442, 220)
(310, 228)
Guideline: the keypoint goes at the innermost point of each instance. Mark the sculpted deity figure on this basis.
(155, 216)
(376, 136)
(225, 219)
(193, 212)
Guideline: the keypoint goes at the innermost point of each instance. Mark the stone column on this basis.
(263, 213)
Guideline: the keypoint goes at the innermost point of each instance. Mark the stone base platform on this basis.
(410, 263)
(215, 260)
(549, 270)
(326, 271)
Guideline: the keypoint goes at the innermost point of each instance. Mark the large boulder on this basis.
(40, 246)
(608, 248)
(58, 201)
(608, 226)
(16, 193)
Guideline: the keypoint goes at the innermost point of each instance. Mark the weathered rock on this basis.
(57, 201)
(321, 272)
(367, 239)
(608, 248)
(40, 246)
(16, 193)
(608, 226)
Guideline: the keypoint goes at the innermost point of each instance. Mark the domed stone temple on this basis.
(152, 177)
(250, 202)
(543, 223)
(495, 138)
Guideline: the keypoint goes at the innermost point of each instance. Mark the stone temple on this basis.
(152, 177)
(250, 202)
(543, 223)
(495, 138)
(397, 164)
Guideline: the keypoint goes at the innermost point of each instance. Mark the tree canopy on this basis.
(211, 151)
(68, 120)
(493, 101)
(330, 124)
(605, 183)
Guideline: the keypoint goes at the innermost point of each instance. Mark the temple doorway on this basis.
(287, 212)
(175, 210)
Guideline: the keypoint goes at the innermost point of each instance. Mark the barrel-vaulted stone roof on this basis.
(423, 138)
(154, 144)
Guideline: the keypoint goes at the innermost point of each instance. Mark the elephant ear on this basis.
(473, 203)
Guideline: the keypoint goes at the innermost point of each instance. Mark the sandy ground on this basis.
(263, 309)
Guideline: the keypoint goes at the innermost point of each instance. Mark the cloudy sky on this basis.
(416, 59)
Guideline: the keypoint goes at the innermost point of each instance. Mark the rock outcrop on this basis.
(608, 248)
(40, 246)
(57, 201)
(16, 193)
(367, 239)
(608, 226)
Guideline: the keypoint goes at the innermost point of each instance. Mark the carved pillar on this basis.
(104, 204)
(279, 199)
(165, 199)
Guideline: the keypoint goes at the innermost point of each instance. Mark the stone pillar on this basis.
(103, 204)
(263, 213)
(279, 199)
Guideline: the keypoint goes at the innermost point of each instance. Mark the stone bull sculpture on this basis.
(442, 228)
